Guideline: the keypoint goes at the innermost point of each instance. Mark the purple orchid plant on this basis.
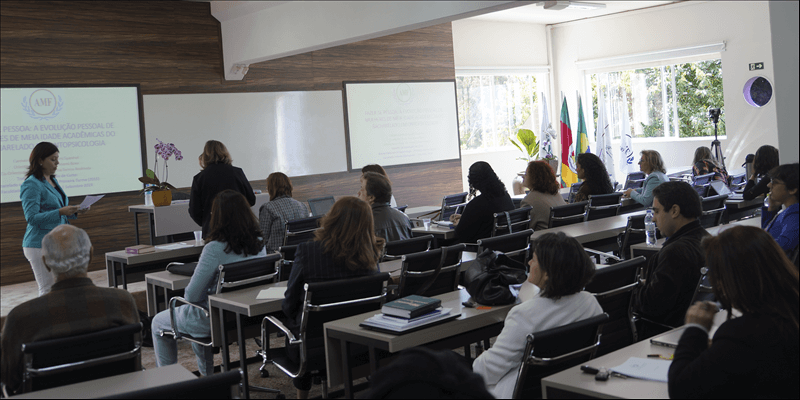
(165, 151)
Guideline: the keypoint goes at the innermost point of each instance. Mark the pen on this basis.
(661, 356)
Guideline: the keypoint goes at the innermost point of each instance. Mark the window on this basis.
(662, 101)
(491, 108)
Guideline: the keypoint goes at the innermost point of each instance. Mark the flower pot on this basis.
(516, 184)
(553, 164)
(162, 198)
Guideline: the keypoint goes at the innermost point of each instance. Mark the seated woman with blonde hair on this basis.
(651, 164)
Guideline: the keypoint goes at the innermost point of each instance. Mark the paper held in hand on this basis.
(89, 200)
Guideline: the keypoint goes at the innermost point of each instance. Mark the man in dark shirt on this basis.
(672, 274)
(390, 223)
(74, 305)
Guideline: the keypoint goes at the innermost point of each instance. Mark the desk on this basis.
(738, 209)
(114, 385)
(158, 258)
(642, 249)
(438, 232)
(590, 231)
(174, 218)
(167, 281)
(573, 382)
(418, 212)
(472, 326)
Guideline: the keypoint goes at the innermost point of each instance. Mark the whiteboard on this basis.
(297, 133)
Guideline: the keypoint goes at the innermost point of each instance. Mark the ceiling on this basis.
(536, 14)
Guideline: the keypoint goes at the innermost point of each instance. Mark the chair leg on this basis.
(324, 387)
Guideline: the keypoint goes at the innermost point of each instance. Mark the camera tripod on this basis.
(716, 147)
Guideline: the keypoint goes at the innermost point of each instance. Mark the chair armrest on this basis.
(172, 302)
(278, 324)
(637, 317)
(171, 264)
(601, 253)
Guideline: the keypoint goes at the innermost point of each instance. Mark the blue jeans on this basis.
(166, 348)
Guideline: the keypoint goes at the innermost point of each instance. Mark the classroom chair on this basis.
(573, 191)
(64, 361)
(430, 273)
(395, 249)
(323, 302)
(713, 209)
(451, 204)
(402, 208)
(703, 291)
(217, 386)
(568, 214)
(508, 221)
(232, 276)
(300, 230)
(614, 287)
(634, 233)
(603, 205)
(634, 180)
(737, 182)
(514, 245)
(554, 350)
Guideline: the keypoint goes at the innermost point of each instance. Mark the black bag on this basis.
(488, 278)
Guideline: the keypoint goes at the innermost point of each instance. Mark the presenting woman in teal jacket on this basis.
(45, 206)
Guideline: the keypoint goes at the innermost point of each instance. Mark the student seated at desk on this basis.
(560, 269)
(755, 355)
(651, 164)
(344, 247)
(543, 195)
(594, 175)
(272, 216)
(233, 236)
(704, 163)
(377, 168)
(765, 159)
(783, 225)
(478, 217)
(390, 223)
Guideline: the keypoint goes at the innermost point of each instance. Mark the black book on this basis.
(411, 306)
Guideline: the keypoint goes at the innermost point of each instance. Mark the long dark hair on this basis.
(233, 222)
(348, 234)
(564, 260)
(41, 151)
(751, 273)
(483, 178)
(595, 174)
(766, 158)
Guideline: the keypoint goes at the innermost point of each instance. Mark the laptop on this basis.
(720, 187)
(669, 339)
(321, 205)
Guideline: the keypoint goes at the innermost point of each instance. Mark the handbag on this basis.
(490, 275)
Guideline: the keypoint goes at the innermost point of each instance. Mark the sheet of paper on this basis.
(271, 293)
(173, 246)
(650, 369)
(89, 200)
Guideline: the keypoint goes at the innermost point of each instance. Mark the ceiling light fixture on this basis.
(571, 5)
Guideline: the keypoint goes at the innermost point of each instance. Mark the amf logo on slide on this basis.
(42, 104)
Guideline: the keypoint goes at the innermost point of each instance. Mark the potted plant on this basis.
(161, 191)
(526, 143)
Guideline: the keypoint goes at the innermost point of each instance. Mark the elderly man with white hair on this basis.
(73, 306)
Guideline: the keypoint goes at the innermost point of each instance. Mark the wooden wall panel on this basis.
(175, 47)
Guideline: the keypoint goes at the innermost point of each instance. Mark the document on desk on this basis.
(88, 201)
(173, 246)
(271, 293)
(644, 368)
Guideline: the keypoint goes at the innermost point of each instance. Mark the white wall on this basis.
(784, 23)
(503, 162)
(744, 26)
(479, 43)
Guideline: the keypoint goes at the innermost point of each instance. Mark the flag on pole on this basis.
(625, 149)
(604, 149)
(568, 175)
(547, 133)
(583, 135)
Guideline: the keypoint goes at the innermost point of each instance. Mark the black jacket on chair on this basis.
(208, 183)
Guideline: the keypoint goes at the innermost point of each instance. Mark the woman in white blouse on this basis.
(559, 269)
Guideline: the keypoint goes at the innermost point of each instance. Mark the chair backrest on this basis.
(614, 287)
(394, 249)
(217, 386)
(510, 221)
(703, 291)
(287, 260)
(515, 245)
(634, 180)
(702, 190)
(737, 181)
(451, 204)
(713, 209)
(431, 273)
(328, 301)
(568, 214)
(553, 350)
(300, 230)
(517, 202)
(402, 208)
(703, 179)
(63, 361)
(603, 205)
(248, 273)
(573, 191)
(321, 205)
(634, 233)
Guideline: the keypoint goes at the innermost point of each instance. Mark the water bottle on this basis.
(650, 228)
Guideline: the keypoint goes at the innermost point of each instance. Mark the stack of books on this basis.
(407, 314)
